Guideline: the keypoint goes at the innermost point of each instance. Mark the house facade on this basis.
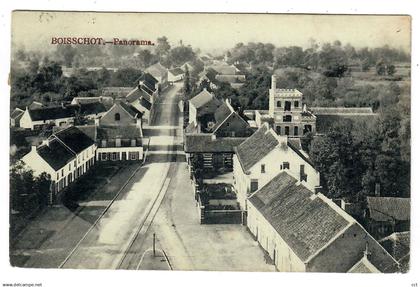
(119, 134)
(202, 105)
(65, 156)
(60, 116)
(160, 73)
(303, 231)
(175, 75)
(263, 156)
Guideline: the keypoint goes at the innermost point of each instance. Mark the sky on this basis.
(209, 32)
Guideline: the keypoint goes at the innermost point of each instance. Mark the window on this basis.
(296, 104)
(296, 131)
(133, 155)
(279, 104)
(103, 143)
(103, 156)
(117, 117)
(286, 165)
(57, 176)
(74, 163)
(263, 168)
(114, 156)
(287, 118)
(117, 142)
(254, 185)
(286, 131)
(281, 167)
(133, 142)
(69, 166)
(287, 105)
(62, 172)
(278, 130)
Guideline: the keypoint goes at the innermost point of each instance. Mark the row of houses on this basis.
(278, 187)
(71, 151)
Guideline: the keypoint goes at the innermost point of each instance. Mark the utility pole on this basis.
(154, 244)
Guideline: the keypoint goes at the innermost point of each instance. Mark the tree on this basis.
(66, 53)
(42, 185)
(181, 54)
(163, 47)
(187, 86)
(21, 185)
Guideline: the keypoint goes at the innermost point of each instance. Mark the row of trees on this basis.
(333, 59)
(44, 82)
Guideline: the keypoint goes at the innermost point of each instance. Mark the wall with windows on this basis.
(119, 154)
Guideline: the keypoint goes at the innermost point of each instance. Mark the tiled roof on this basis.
(176, 71)
(16, 113)
(59, 112)
(147, 82)
(224, 69)
(89, 130)
(157, 70)
(231, 78)
(123, 132)
(303, 220)
(256, 147)
(55, 154)
(397, 244)
(107, 101)
(74, 138)
(222, 113)
(199, 143)
(340, 111)
(115, 92)
(363, 266)
(131, 110)
(134, 95)
(145, 103)
(203, 98)
(389, 208)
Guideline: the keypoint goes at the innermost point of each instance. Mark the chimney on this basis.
(317, 189)
(377, 189)
(273, 82)
(46, 142)
(33, 148)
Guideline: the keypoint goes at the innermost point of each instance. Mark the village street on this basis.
(155, 198)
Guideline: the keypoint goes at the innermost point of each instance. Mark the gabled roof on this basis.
(224, 69)
(397, 244)
(303, 220)
(176, 71)
(16, 113)
(123, 132)
(256, 147)
(132, 111)
(74, 138)
(63, 146)
(157, 70)
(364, 266)
(389, 208)
(341, 111)
(203, 98)
(60, 112)
(115, 92)
(203, 143)
(222, 112)
(147, 82)
(55, 154)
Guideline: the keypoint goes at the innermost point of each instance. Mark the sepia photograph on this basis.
(210, 142)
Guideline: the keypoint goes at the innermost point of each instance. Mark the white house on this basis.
(60, 115)
(65, 156)
(264, 155)
(303, 231)
(175, 75)
(204, 103)
(160, 73)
